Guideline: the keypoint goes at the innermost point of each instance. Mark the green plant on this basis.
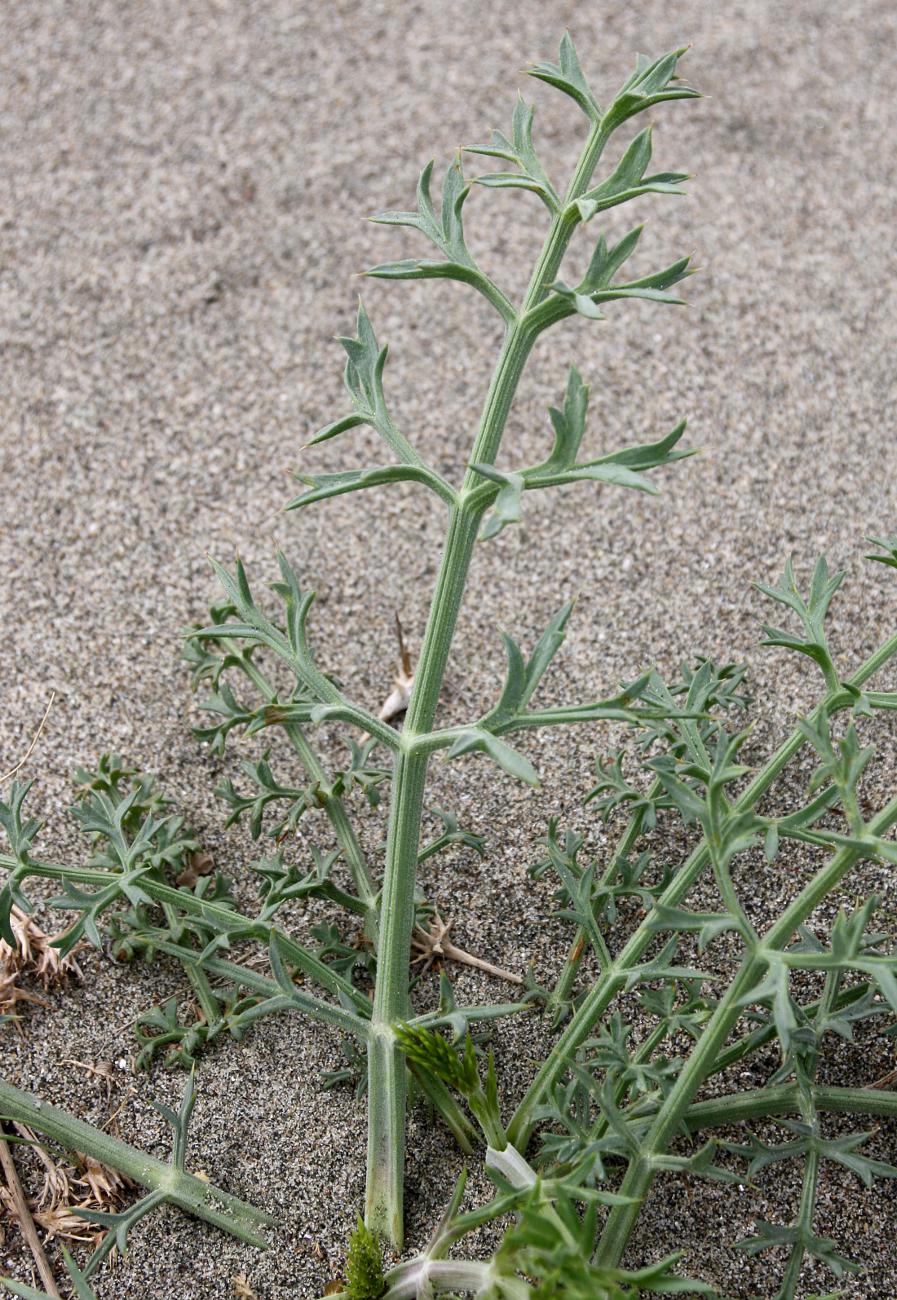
(612, 1106)
(364, 1265)
(82, 1287)
(166, 1183)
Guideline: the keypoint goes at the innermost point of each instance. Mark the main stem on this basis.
(642, 1168)
(386, 1065)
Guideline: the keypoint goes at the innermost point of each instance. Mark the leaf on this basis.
(628, 181)
(445, 229)
(271, 791)
(701, 1164)
(552, 1244)
(621, 468)
(585, 299)
(569, 424)
(323, 486)
(83, 1290)
(507, 507)
(512, 694)
(20, 832)
(291, 644)
(650, 455)
(707, 925)
(775, 988)
(224, 705)
(606, 261)
(363, 378)
(523, 676)
(661, 968)
(511, 760)
(889, 546)
(770, 1235)
(567, 75)
(544, 651)
(518, 150)
(844, 1151)
(653, 82)
(452, 833)
(811, 612)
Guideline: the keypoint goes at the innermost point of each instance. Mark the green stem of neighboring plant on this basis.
(785, 1099)
(564, 987)
(192, 1194)
(614, 978)
(699, 1064)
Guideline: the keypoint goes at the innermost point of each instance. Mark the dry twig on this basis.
(13, 1197)
(434, 943)
(35, 738)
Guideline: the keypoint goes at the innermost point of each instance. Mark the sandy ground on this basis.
(181, 220)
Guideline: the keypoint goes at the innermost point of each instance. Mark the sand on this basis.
(181, 222)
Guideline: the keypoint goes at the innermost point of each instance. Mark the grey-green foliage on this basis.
(615, 1100)
(83, 1290)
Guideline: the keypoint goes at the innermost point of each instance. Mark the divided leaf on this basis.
(518, 150)
(811, 612)
(473, 739)
(445, 229)
(567, 75)
(363, 377)
(623, 468)
(523, 676)
(628, 180)
(323, 486)
(654, 81)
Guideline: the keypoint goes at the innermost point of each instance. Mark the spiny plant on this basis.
(613, 1103)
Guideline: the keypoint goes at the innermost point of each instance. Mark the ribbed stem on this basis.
(386, 1066)
(764, 1103)
(192, 1194)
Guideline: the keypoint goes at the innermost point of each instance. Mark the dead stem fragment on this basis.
(13, 1197)
(434, 944)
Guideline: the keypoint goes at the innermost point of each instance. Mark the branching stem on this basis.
(612, 980)
(192, 1194)
(386, 1065)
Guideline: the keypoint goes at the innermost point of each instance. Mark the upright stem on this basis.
(386, 1066)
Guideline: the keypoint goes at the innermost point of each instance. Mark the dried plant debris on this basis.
(28, 954)
(71, 1183)
(396, 703)
(242, 1289)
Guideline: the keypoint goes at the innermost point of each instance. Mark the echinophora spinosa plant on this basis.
(616, 1100)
